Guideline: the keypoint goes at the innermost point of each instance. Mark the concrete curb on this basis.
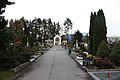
(18, 68)
(93, 76)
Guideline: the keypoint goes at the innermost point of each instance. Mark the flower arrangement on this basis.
(90, 57)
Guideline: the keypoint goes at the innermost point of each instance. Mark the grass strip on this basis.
(6, 75)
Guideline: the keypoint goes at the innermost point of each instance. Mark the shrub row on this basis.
(114, 55)
(8, 61)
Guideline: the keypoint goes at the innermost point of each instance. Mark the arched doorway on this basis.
(57, 40)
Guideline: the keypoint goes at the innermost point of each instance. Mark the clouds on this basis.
(77, 10)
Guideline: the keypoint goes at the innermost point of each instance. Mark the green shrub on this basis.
(22, 57)
(115, 58)
(103, 50)
(116, 48)
(8, 61)
(115, 54)
(18, 49)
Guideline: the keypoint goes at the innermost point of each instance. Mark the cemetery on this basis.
(23, 41)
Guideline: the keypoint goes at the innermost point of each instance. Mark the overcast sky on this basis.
(77, 10)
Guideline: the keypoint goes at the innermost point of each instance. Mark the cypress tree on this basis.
(101, 30)
(91, 32)
(95, 35)
(97, 32)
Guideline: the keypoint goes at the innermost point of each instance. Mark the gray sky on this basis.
(77, 10)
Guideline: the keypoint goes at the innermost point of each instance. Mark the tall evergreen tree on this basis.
(98, 31)
(68, 25)
(95, 36)
(3, 23)
(91, 31)
(3, 4)
(78, 36)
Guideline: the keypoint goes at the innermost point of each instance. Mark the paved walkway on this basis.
(55, 64)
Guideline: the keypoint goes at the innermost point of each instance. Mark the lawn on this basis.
(6, 75)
